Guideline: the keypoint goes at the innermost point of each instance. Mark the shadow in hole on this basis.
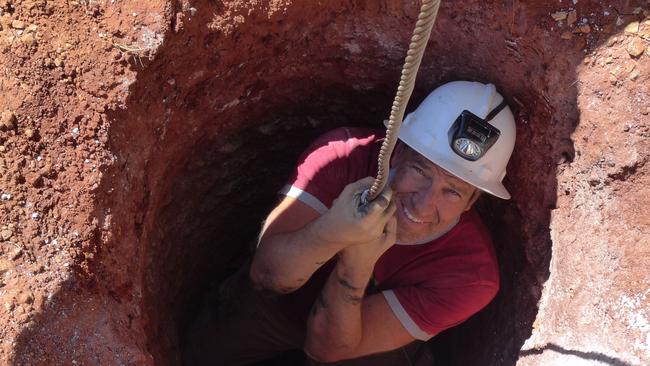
(595, 356)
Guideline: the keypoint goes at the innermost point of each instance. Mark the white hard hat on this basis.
(467, 129)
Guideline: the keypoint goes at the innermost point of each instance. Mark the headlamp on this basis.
(471, 136)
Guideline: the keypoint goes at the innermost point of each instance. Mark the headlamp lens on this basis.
(467, 148)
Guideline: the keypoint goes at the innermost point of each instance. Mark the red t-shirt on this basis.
(431, 286)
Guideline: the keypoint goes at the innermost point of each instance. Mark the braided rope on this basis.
(428, 13)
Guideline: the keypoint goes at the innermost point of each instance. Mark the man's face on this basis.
(428, 198)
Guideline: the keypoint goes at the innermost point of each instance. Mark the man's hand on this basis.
(349, 223)
(365, 255)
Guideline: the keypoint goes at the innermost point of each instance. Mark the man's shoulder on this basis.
(471, 226)
(472, 238)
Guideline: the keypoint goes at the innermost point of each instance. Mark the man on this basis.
(362, 284)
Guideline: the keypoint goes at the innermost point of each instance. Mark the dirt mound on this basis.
(141, 143)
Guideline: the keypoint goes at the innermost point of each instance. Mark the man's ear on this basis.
(472, 200)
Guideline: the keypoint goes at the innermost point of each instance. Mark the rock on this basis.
(572, 17)
(5, 5)
(58, 62)
(29, 133)
(559, 15)
(16, 253)
(585, 28)
(613, 79)
(5, 266)
(566, 35)
(636, 47)
(20, 310)
(6, 234)
(28, 39)
(25, 298)
(632, 28)
(18, 24)
(35, 179)
(9, 306)
(8, 120)
(635, 75)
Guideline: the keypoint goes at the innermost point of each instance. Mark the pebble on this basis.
(559, 15)
(16, 253)
(18, 24)
(572, 17)
(5, 266)
(636, 47)
(28, 39)
(5, 234)
(619, 21)
(29, 133)
(8, 120)
(58, 62)
(613, 79)
(632, 28)
(9, 306)
(635, 75)
(566, 35)
(585, 28)
(25, 298)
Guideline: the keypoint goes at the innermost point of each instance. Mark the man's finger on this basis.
(360, 185)
(392, 208)
(390, 230)
(379, 204)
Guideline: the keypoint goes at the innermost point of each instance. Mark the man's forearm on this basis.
(284, 262)
(334, 328)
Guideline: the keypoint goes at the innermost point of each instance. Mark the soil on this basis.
(142, 143)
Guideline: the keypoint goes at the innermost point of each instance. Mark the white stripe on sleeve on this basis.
(404, 318)
(304, 197)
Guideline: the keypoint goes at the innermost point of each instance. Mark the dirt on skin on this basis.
(141, 144)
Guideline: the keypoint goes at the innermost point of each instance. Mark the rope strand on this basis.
(419, 39)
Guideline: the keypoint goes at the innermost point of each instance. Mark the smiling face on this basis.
(428, 198)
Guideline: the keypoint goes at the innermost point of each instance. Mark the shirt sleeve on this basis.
(323, 170)
(425, 312)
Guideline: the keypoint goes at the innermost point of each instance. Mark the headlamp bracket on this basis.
(471, 136)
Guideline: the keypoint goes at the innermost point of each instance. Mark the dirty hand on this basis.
(348, 223)
(365, 255)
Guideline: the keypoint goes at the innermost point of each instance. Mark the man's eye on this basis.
(453, 192)
(418, 170)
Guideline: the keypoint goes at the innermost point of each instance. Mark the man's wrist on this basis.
(318, 235)
(353, 275)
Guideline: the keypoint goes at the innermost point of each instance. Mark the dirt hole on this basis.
(216, 121)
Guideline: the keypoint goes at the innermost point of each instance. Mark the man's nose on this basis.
(429, 196)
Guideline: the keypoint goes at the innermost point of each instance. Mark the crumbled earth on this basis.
(141, 144)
